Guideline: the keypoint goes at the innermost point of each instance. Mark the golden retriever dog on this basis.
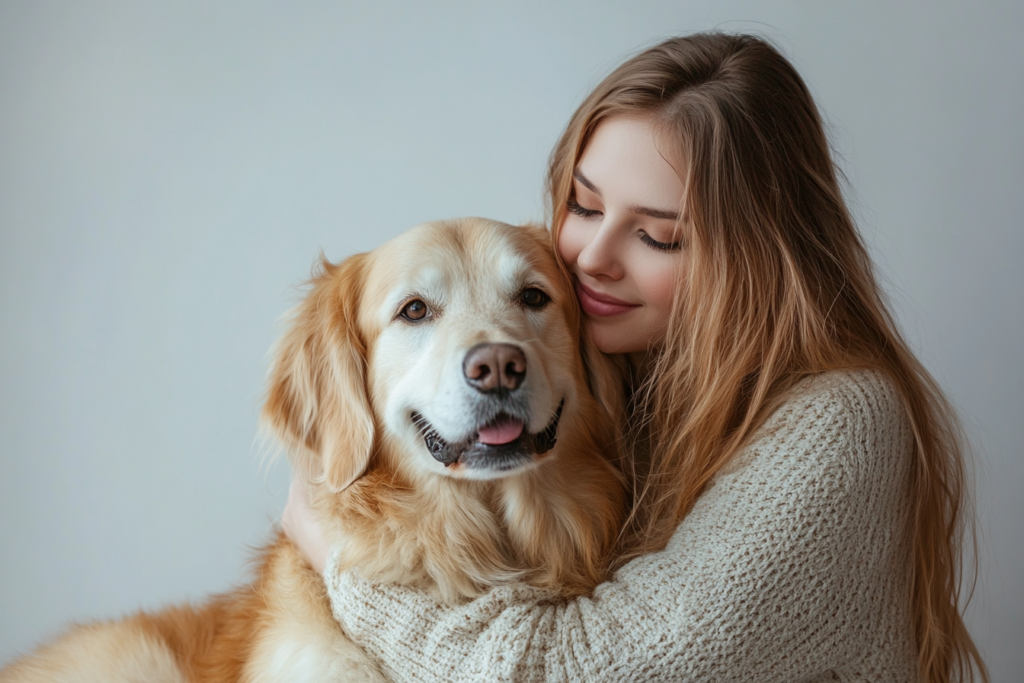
(458, 431)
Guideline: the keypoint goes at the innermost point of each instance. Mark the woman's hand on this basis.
(302, 528)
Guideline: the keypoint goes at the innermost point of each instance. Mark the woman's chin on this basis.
(619, 336)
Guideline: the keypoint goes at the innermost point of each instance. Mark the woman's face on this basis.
(619, 236)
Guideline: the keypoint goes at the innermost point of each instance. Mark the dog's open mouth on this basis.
(501, 444)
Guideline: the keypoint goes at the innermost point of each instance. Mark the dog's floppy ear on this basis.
(605, 377)
(317, 402)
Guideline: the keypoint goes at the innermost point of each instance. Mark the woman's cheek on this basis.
(569, 243)
(661, 288)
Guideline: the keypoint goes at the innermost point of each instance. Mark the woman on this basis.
(799, 476)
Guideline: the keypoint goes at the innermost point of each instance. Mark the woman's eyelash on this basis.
(660, 246)
(575, 208)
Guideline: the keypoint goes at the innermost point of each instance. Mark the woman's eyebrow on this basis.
(653, 213)
(632, 208)
(578, 175)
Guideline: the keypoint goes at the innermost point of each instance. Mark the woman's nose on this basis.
(600, 257)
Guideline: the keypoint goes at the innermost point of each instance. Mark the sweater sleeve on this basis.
(793, 565)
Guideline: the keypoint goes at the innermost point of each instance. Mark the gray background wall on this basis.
(168, 172)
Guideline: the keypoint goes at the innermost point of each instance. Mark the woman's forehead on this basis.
(629, 158)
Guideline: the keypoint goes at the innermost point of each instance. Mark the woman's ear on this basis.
(317, 402)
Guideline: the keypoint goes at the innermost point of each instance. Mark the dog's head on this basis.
(456, 344)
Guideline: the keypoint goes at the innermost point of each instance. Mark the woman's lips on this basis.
(594, 303)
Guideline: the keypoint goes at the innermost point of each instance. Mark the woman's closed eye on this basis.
(574, 207)
(659, 246)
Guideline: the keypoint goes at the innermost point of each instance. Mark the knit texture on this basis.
(794, 565)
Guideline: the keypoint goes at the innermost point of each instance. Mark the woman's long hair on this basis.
(779, 287)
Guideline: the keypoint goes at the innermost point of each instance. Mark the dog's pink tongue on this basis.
(505, 431)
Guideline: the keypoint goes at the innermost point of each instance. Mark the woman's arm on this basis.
(795, 562)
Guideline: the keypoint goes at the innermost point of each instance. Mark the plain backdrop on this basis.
(169, 172)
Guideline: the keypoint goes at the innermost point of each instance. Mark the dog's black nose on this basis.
(494, 367)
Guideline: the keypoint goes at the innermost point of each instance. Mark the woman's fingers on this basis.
(302, 528)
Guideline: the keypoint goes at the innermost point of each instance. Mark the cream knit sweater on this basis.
(794, 565)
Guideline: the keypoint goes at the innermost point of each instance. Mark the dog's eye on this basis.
(414, 311)
(534, 298)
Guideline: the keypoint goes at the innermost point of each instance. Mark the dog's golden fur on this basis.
(346, 375)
